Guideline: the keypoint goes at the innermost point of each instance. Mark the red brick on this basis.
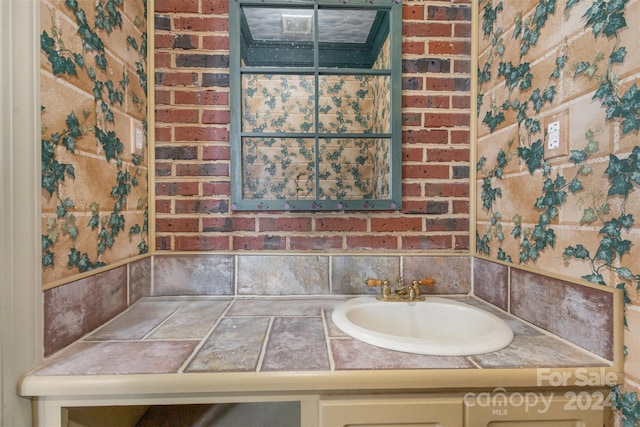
(425, 171)
(315, 243)
(177, 116)
(217, 7)
(345, 223)
(201, 206)
(412, 154)
(202, 169)
(166, 78)
(446, 119)
(441, 102)
(216, 117)
(177, 189)
(201, 243)
(228, 224)
(209, 133)
(426, 29)
(460, 136)
(162, 97)
(460, 206)
(284, 224)
(177, 224)
(163, 206)
(462, 242)
(163, 242)
(215, 42)
(201, 24)
(411, 119)
(164, 41)
(452, 47)
(414, 207)
(415, 12)
(257, 243)
(448, 224)
(462, 29)
(176, 6)
(461, 101)
(413, 47)
(425, 137)
(162, 60)
(414, 101)
(163, 134)
(447, 190)
(216, 189)
(203, 97)
(372, 242)
(426, 242)
(411, 190)
(448, 155)
(387, 224)
(216, 152)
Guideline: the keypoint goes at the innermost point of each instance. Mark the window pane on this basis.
(278, 103)
(354, 168)
(353, 38)
(277, 37)
(354, 104)
(278, 168)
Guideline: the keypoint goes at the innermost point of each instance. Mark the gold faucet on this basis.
(400, 292)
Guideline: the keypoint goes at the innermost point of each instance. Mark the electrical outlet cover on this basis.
(556, 135)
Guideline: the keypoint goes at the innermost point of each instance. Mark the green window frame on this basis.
(312, 64)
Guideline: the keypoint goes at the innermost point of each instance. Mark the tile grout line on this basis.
(327, 339)
(204, 339)
(265, 341)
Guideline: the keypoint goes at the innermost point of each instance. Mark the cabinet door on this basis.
(536, 409)
(391, 411)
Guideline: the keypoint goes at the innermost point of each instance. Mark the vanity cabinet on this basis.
(562, 408)
(496, 408)
(391, 411)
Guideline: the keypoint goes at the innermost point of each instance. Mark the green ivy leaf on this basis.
(579, 252)
(588, 216)
(617, 56)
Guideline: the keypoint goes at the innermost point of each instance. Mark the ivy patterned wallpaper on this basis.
(93, 95)
(576, 215)
(349, 168)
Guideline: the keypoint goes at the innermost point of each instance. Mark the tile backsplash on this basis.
(580, 314)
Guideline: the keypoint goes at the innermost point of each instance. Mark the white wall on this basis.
(20, 276)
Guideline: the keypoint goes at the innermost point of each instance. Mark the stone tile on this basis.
(452, 274)
(104, 358)
(139, 279)
(332, 329)
(193, 275)
(135, 323)
(491, 282)
(282, 275)
(234, 346)
(296, 344)
(354, 354)
(191, 320)
(75, 309)
(580, 314)
(348, 273)
(280, 307)
(537, 351)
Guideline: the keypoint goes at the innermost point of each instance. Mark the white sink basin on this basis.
(436, 326)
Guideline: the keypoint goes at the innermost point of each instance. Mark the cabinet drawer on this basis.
(384, 411)
(535, 409)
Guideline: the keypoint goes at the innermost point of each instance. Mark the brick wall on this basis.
(192, 141)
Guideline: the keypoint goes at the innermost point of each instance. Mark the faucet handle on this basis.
(373, 282)
(427, 281)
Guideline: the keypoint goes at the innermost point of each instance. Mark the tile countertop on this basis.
(266, 344)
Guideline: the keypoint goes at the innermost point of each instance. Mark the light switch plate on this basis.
(137, 138)
(556, 135)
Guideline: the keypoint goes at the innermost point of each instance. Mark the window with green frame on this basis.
(315, 99)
